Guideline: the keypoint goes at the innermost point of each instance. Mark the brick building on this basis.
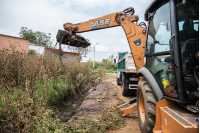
(20, 44)
(66, 55)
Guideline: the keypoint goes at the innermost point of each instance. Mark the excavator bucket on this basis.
(67, 38)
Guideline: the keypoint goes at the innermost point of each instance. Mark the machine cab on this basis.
(172, 48)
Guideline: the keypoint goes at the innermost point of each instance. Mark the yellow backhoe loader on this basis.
(166, 55)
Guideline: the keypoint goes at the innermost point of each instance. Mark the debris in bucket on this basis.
(67, 38)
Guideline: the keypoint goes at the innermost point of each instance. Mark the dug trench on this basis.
(96, 100)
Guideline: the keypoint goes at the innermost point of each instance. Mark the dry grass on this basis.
(31, 84)
(110, 120)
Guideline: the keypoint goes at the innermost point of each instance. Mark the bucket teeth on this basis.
(67, 38)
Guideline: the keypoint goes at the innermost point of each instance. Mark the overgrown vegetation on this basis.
(108, 67)
(110, 120)
(31, 84)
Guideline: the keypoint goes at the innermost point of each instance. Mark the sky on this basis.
(49, 16)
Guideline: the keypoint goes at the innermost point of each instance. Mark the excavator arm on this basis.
(135, 34)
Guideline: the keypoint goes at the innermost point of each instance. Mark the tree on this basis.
(37, 37)
(105, 61)
(112, 58)
(109, 58)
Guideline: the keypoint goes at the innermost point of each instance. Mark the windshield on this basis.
(158, 61)
(159, 30)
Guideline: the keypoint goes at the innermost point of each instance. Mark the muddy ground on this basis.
(103, 96)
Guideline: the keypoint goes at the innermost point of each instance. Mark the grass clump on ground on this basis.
(107, 67)
(110, 120)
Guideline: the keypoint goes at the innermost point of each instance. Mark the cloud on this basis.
(50, 15)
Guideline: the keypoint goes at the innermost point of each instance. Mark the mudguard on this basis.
(150, 78)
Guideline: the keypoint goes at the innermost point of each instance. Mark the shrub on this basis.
(31, 84)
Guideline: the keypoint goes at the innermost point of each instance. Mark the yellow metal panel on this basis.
(171, 124)
(128, 110)
(161, 103)
(168, 121)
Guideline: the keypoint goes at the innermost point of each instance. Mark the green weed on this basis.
(31, 84)
(109, 120)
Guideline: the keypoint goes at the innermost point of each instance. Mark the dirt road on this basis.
(105, 95)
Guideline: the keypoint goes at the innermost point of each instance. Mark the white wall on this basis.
(38, 49)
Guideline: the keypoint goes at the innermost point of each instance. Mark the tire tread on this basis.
(150, 108)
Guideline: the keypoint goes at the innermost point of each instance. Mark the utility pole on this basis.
(94, 56)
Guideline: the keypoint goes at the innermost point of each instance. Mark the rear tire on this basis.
(146, 106)
(125, 92)
(118, 82)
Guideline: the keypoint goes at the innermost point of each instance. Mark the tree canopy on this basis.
(36, 37)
